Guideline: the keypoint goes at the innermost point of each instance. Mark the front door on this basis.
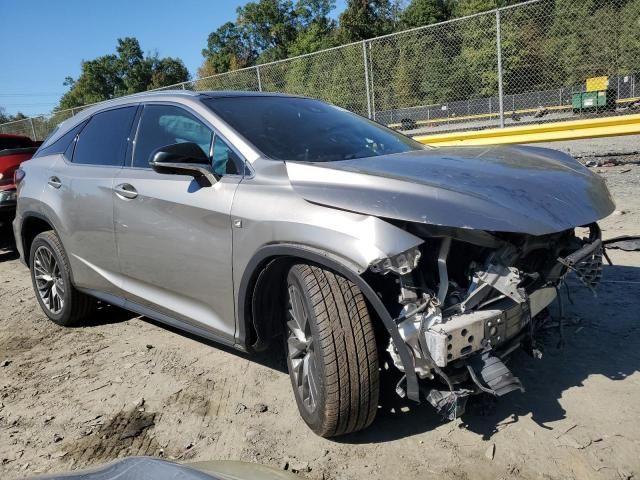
(174, 236)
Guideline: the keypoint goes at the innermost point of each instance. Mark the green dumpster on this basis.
(593, 101)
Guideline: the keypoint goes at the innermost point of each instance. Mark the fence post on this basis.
(184, 87)
(259, 78)
(33, 128)
(499, 51)
(366, 77)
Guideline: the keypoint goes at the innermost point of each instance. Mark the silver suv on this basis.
(247, 217)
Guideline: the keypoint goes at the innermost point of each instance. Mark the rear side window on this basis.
(163, 125)
(104, 140)
(63, 144)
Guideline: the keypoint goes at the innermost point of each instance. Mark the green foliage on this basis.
(581, 40)
(462, 8)
(629, 39)
(268, 30)
(316, 31)
(228, 48)
(364, 19)
(424, 12)
(128, 71)
(270, 26)
(5, 117)
(546, 45)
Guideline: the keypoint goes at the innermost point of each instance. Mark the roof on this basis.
(120, 101)
(242, 93)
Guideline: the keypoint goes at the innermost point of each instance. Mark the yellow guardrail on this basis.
(545, 132)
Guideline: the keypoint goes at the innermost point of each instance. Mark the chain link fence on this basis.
(537, 61)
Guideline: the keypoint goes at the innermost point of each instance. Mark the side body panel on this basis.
(29, 192)
(174, 246)
(272, 213)
(83, 206)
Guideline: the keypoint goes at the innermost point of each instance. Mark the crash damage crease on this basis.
(501, 228)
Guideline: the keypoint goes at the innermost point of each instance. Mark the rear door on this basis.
(80, 192)
(174, 236)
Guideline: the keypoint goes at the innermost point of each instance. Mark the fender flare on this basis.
(25, 216)
(325, 259)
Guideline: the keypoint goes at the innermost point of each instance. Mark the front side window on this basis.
(291, 128)
(104, 140)
(163, 125)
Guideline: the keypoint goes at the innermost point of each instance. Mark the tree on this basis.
(364, 19)
(315, 30)
(228, 48)
(424, 12)
(270, 26)
(629, 40)
(268, 30)
(462, 8)
(578, 53)
(128, 71)
(166, 71)
(5, 117)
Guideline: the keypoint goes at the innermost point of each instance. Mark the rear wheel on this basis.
(51, 278)
(331, 351)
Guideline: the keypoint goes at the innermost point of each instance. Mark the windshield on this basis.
(290, 128)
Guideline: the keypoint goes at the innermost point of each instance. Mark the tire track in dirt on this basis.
(126, 433)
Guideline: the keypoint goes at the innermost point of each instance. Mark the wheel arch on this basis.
(268, 265)
(31, 226)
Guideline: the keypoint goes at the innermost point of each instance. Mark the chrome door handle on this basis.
(125, 190)
(54, 182)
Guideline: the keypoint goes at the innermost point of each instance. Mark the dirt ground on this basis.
(125, 385)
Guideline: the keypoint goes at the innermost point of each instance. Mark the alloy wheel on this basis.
(301, 350)
(49, 281)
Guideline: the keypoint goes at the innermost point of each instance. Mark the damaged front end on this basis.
(465, 299)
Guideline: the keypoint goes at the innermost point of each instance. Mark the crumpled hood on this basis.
(509, 189)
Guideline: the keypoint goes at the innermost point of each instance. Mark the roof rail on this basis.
(177, 91)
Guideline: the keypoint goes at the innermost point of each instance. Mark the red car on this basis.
(14, 149)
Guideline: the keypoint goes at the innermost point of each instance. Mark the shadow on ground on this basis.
(7, 243)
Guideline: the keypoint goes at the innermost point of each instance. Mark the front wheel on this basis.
(51, 278)
(331, 351)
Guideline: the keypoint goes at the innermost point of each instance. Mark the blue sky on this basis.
(44, 41)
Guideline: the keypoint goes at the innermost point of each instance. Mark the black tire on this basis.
(76, 306)
(345, 370)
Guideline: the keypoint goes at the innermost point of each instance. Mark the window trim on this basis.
(243, 172)
(87, 121)
(81, 124)
(73, 143)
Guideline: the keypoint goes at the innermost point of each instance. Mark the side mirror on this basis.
(184, 159)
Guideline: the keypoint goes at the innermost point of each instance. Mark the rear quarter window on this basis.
(62, 144)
